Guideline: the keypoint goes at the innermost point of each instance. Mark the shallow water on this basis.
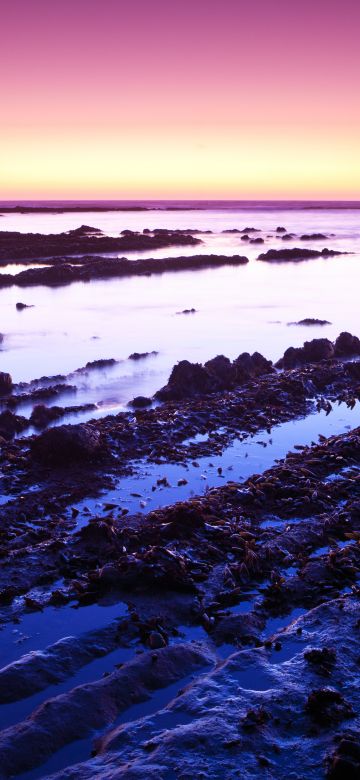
(238, 309)
(37, 630)
(239, 460)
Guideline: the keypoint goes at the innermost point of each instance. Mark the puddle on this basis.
(17, 711)
(275, 624)
(253, 679)
(37, 630)
(242, 459)
(288, 650)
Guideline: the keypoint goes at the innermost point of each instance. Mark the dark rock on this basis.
(141, 355)
(5, 383)
(187, 311)
(295, 255)
(257, 240)
(310, 321)
(187, 379)
(190, 379)
(20, 306)
(327, 706)
(345, 762)
(66, 444)
(102, 363)
(347, 345)
(313, 237)
(140, 402)
(84, 268)
(84, 240)
(250, 366)
(312, 352)
(221, 368)
(10, 424)
(281, 230)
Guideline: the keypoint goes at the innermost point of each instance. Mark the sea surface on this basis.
(237, 309)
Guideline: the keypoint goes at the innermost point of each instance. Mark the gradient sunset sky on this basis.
(190, 99)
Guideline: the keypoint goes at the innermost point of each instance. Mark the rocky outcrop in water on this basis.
(84, 240)
(296, 254)
(67, 270)
(316, 350)
(190, 379)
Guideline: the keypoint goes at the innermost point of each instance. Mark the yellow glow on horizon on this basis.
(181, 162)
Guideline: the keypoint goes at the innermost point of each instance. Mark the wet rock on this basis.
(313, 236)
(322, 659)
(281, 230)
(187, 379)
(66, 444)
(140, 402)
(296, 254)
(94, 364)
(187, 311)
(327, 706)
(84, 268)
(345, 762)
(142, 355)
(191, 379)
(10, 424)
(347, 345)
(257, 240)
(250, 366)
(20, 306)
(5, 383)
(310, 321)
(312, 352)
(221, 368)
(156, 640)
(82, 241)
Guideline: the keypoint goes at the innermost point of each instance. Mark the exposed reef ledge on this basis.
(84, 240)
(297, 254)
(64, 272)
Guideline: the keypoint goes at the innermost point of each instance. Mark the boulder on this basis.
(250, 366)
(140, 402)
(186, 380)
(347, 345)
(222, 369)
(66, 444)
(312, 352)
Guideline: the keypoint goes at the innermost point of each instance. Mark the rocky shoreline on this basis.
(241, 603)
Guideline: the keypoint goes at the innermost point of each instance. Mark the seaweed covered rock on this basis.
(312, 352)
(66, 444)
(186, 380)
(250, 366)
(190, 379)
(346, 345)
(221, 368)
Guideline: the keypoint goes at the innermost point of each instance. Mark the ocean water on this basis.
(237, 309)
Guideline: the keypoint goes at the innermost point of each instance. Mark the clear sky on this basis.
(181, 98)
